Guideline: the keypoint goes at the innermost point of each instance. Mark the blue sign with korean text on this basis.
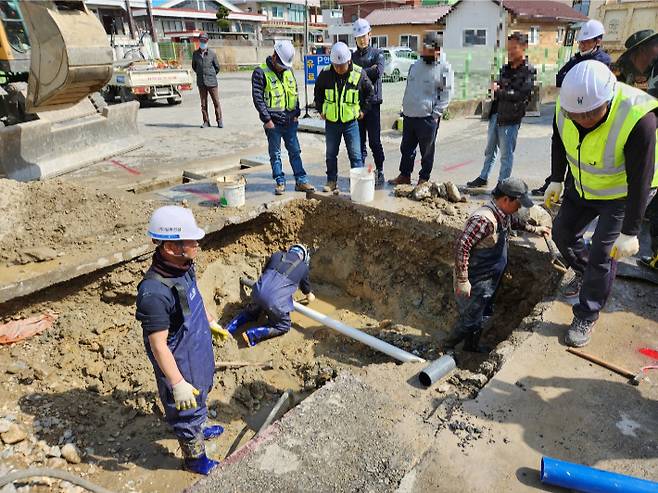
(313, 65)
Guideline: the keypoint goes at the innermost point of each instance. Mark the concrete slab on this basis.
(311, 125)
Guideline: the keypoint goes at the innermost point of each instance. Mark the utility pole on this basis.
(149, 12)
(131, 21)
(305, 49)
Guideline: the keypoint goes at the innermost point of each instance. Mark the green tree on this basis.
(222, 18)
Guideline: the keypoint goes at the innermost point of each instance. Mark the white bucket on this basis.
(362, 185)
(231, 190)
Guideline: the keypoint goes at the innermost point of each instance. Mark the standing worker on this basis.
(272, 294)
(426, 96)
(372, 61)
(206, 67)
(605, 131)
(512, 93)
(589, 40)
(177, 332)
(641, 57)
(274, 92)
(481, 259)
(343, 95)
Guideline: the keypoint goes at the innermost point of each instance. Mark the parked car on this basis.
(397, 62)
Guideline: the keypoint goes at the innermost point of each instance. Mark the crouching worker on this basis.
(481, 258)
(272, 294)
(177, 332)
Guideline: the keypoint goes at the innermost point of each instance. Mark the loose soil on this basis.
(88, 381)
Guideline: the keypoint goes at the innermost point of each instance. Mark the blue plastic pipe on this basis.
(590, 480)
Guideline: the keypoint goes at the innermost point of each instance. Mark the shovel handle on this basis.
(605, 364)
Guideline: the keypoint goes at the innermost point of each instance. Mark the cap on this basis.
(590, 30)
(203, 37)
(433, 39)
(516, 188)
(587, 86)
(340, 53)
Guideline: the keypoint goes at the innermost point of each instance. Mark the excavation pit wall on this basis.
(383, 273)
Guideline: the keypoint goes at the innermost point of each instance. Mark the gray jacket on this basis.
(429, 89)
(206, 67)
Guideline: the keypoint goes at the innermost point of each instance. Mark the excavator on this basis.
(54, 58)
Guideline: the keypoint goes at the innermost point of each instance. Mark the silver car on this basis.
(397, 62)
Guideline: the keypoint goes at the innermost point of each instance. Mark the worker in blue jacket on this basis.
(177, 332)
(272, 295)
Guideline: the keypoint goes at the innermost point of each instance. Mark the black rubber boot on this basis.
(454, 338)
(472, 343)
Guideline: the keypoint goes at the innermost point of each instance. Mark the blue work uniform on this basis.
(175, 304)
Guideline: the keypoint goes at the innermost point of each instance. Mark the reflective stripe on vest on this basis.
(278, 95)
(345, 106)
(598, 162)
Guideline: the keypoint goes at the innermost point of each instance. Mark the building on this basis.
(113, 14)
(405, 26)
(353, 9)
(285, 19)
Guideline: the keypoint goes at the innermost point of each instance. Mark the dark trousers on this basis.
(595, 264)
(279, 321)
(214, 95)
(652, 216)
(418, 132)
(372, 127)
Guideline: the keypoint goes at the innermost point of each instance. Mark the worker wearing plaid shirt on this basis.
(481, 259)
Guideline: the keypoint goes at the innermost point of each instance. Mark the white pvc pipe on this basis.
(368, 340)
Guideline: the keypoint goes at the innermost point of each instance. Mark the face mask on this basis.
(203, 46)
(587, 52)
(429, 59)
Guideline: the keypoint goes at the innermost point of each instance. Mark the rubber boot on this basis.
(472, 343)
(210, 432)
(241, 319)
(257, 334)
(456, 336)
(380, 181)
(195, 458)
(650, 262)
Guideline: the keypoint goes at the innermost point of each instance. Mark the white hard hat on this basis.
(340, 53)
(587, 86)
(590, 30)
(301, 250)
(360, 27)
(285, 51)
(173, 223)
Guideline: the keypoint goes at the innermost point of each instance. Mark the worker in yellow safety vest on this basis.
(605, 132)
(274, 91)
(343, 95)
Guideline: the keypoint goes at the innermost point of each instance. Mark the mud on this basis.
(87, 380)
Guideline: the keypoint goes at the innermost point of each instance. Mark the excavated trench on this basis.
(383, 273)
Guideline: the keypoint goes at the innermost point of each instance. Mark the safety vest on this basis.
(279, 96)
(597, 163)
(343, 107)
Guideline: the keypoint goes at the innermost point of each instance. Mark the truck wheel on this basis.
(126, 95)
(174, 100)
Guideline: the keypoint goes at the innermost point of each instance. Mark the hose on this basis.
(52, 473)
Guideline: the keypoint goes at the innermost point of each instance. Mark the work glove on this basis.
(544, 231)
(463, 288)
(310, 298)
(218, 332)
(625, 246)
(184, 395)
(552, 193)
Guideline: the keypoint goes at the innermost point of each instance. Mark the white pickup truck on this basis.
(147, 80)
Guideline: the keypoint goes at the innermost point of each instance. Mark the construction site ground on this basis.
(360, 422)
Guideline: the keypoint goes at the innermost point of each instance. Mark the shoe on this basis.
(257, 334)
(579, 333)
(650, 262)
(380, 181)
(279, 188)
(477, 183)
(210, 432)
(205, 124)
(456, 336)
(304, 187)
(538, 192)
(330, 186)
(220, 124)
(572, 288)
(400, 180)
(200, 465)
(472, 343)
(421, 181)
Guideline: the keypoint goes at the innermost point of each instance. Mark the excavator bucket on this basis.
(71, 56)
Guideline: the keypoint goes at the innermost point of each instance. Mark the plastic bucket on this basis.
(362, 185)
(231, 190)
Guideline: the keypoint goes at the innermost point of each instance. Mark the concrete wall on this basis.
(394, 32)
(471, 14)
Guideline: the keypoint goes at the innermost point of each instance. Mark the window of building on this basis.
(277, 11)
(172, 26)
(379, 41)
(296, 13)
(409, 40)
(475, 37)
(533, 35)
(559, 36)
(345, 38)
